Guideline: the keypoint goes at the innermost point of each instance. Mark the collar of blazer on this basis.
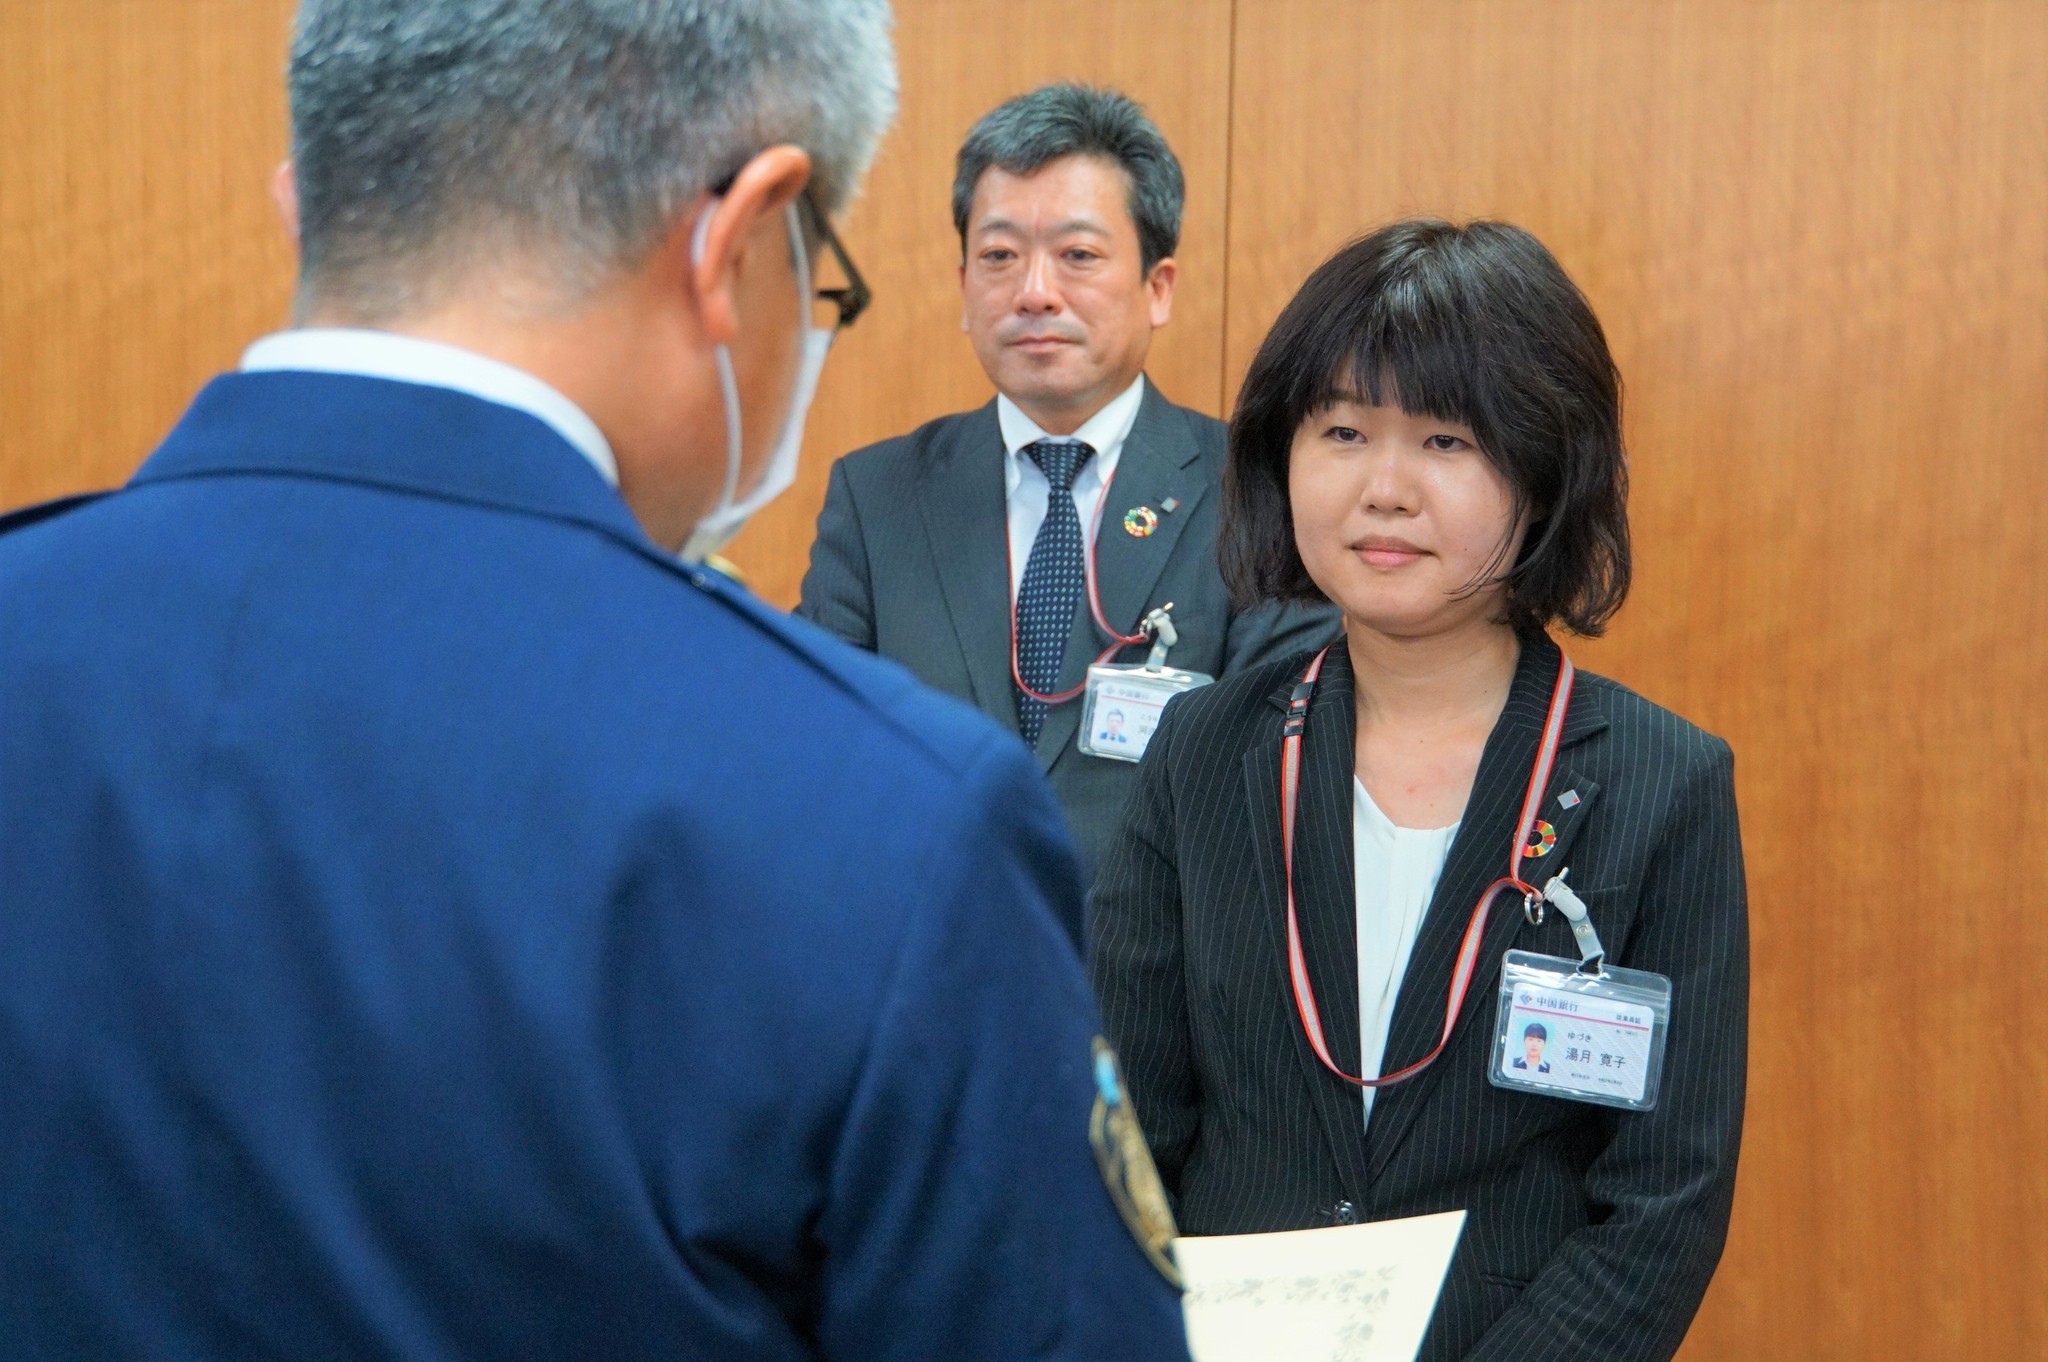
(404, 437)
(965, 515)
(1326, 895)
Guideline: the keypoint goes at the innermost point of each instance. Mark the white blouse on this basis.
(1396, 870)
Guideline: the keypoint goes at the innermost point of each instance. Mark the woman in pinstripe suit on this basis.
(1430, 437)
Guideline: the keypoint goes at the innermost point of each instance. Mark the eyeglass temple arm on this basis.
(854, 298)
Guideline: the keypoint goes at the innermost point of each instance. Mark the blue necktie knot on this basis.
(1060, 460)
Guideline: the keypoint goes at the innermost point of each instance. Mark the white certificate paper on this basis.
(1351, 1293)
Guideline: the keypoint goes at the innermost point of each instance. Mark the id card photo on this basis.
(1123, 718)
(1123, 707)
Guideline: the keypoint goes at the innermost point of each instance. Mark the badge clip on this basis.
(1158, 626)
(1126, 699)
(1591, 953)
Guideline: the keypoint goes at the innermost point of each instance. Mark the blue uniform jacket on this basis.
(436, 924)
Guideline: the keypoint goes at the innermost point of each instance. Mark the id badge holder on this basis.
(1582, 1030)
(1125, 699)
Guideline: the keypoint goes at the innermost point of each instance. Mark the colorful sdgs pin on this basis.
(1542, 838)
(1140, 521)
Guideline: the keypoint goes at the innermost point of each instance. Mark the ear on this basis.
(1159, 283)
(284, 193)
(961, 273)
(766, 186)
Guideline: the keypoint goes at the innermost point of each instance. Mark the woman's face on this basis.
(1395, 516)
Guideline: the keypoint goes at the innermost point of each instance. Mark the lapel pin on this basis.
(1568, 800)
(1542, 838)
(1170, 505)
(1140, 521)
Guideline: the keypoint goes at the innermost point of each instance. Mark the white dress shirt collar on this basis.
(1106, 430)
(1026, 493)
(408, 359)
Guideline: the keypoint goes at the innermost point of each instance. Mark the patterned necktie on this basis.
(1054, 575)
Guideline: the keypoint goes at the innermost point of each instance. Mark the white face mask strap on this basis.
(733, 508)
(721, 359)
(729, 389)
(803, 268)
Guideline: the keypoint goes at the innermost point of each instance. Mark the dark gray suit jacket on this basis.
(911, 561)
(1591, 1232)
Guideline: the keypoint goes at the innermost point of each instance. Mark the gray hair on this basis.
(1032, 130)
(429, 132)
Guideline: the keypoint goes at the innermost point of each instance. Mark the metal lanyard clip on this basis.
(1591, 953)
(1158, 626)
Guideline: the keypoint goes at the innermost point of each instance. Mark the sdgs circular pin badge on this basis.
(1140, 521)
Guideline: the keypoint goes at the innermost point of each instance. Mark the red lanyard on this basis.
(1475, 930)
(1094, 601)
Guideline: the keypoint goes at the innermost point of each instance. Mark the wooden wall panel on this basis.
(138, 250)
(907, 361)
(1814, 230)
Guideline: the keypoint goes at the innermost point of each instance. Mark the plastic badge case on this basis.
(1588, 1037)
(1123, 706)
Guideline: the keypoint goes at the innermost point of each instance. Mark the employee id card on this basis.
(1587, 1036)
(1123, 706)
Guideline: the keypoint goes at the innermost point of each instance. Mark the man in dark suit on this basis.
(962, 549)
(441, 919)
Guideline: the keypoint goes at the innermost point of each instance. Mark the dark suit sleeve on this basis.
(837, 594)
(967, 1217)
(1627, 1286)
(1271, 632)
(1135, 961)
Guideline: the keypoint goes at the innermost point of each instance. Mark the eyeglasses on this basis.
(853, 299)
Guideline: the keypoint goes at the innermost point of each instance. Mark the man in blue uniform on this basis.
(440, 919)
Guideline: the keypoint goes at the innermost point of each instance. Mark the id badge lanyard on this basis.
(1475, 929)
(1122, 640)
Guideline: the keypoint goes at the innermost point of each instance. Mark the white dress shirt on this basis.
(1395, 871)
(408, 359)
(1025, 488)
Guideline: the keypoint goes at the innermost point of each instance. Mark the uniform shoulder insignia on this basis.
(1127, 1167)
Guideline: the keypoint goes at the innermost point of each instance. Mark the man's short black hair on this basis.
(1536, 1029)
(1476, 324)
(1033, 130)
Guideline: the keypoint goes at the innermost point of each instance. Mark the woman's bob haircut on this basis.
(1475, 324)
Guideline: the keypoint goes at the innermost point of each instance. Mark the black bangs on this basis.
(1476, 325)
(1396, 331)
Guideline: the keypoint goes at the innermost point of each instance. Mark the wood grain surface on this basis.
(138, 249)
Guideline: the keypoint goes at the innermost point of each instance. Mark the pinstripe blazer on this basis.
(1591, 1232)
(910, 562)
